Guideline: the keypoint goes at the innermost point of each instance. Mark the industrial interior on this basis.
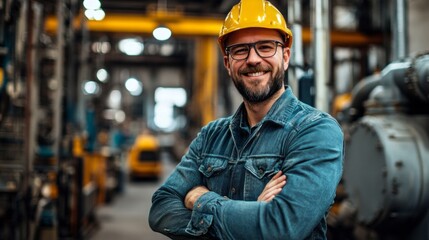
(96, 109)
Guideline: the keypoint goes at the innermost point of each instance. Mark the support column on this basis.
(321, 43)
(206, 77)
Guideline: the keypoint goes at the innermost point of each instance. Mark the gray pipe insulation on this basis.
(408, 79)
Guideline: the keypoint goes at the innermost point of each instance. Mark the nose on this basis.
(253, 57)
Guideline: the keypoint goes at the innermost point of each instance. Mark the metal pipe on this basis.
(321, 44)
(82, 74)
(400, 30)
(297, 54)
(408, 76)
(59, 75)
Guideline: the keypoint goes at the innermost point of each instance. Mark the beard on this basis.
(257, 95)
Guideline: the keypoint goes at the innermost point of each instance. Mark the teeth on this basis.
(256, 74)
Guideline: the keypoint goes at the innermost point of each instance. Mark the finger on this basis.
(270, 191)
(276, 181)
(280, 184)
(277, 175)
(270, 195)
(269, 199)
(273, 185)
(273, 192)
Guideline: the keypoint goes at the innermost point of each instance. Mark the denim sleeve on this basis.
(313, 167)
(168, 214)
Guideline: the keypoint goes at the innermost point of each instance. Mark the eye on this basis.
(265, 46)
(239, 50)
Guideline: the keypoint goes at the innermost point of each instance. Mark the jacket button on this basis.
(261, 170)
(233, 190)
(209, 168)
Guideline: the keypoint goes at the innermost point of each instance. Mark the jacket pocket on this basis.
(263, 167)
(212, 166)
(259, 171)
(215, 174)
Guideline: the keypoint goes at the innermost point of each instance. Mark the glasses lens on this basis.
(239, 51)
(264, 49)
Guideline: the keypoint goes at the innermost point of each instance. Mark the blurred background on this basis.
(100, 99)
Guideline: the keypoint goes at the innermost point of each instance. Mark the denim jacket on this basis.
(235, 163)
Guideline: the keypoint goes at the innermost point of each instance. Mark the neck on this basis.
(257, 111)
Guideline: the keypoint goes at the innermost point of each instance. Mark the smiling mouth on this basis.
(254, 74)
(255, 71)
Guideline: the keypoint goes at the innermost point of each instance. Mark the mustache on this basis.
(254, 69)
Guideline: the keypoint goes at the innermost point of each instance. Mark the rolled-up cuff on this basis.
(202, 213)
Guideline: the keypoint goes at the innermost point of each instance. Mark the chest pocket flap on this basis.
(212, 166)
(263, 167)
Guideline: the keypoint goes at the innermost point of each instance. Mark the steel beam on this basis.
(184, 26)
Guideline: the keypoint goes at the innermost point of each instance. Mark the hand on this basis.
(273, 187)
(193, 195)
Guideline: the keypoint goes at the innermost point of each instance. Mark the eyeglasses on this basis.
(264, 49)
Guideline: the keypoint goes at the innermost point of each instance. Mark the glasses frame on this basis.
(252, 45)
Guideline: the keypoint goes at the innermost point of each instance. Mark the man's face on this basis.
(257, 78)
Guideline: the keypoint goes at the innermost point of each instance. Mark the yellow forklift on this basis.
(144, 160)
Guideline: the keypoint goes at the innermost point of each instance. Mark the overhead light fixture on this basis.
(92, 4)
(91, 88)
(161, 33)
(167, 49)
(93, 10)
(96, 15)
(114, 99)
(131, 46)
(102, 75)
(134, 86)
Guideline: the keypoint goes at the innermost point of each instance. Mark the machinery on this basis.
(144, 158)
(51, 180)
(386, 165)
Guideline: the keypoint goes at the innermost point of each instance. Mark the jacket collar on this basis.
(278, 114)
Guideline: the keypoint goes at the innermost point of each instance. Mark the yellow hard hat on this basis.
(254, 14)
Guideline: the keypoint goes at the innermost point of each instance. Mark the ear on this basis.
(227, 64)
(286, 57)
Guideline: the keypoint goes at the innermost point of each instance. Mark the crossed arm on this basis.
(273, 187)
(293, 210)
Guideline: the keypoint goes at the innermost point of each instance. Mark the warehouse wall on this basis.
(418, 28)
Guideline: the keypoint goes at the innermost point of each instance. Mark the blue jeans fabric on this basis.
(235, 163)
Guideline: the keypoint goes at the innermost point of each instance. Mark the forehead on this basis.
(249, 35)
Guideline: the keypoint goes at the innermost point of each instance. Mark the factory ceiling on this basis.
(216, 8)
(138, 18)
(189, 18)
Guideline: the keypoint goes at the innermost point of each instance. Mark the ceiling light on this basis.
(167, 49)
(134, 86)
(114, 100)
(92, 4)
(102, 75)
(90, 88)
(131, 46)
(95, 14)
(161, 33)
(101, 47)
(99, 14)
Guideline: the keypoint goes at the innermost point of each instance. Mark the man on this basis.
(231, 184)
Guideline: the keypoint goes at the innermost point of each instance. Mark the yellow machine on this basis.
(144, 157)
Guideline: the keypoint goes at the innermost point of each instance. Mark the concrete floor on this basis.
(126, 217)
